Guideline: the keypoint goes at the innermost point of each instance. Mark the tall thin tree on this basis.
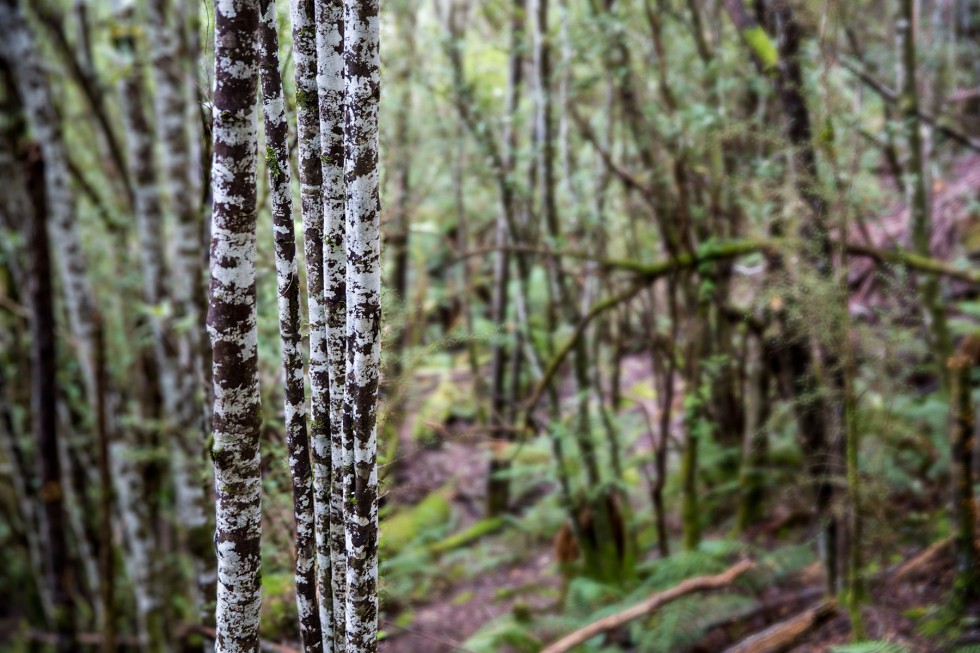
(330, 93)
(362, 78)
(287, 278)
(232, 328)
(44, 393)
(303, 16)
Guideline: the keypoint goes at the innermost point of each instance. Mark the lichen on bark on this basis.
(330, 92)
(363, 274)
(302, 14)
(287, 278)
(232, 328)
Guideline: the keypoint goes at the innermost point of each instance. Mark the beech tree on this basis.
(232, 327)
(290, 335)
(363, 91)
(53, 220)
(44, 413)
(303, 18)
(330, 94)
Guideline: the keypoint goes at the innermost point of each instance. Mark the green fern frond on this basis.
(502, 634)
(711, 557)
(585, 595)
(682, 624)
(786, 560)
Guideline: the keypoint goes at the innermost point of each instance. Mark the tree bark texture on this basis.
(363, 90)
(232, 328)
(330, 94)
(290, 311)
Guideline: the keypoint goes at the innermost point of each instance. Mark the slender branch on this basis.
(624, 175)
(90, 87)
(735, 248)
(915, 262)
(597, 309)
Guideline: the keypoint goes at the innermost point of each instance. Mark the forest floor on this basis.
(522, 576)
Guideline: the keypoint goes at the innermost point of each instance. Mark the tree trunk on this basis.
(44, 393)
(498, 486)
(232, 326)
(328, 454)
(302, 14)
(363, 89)
(917, 173)
(287, 277)
(966, 587)
(188, 416)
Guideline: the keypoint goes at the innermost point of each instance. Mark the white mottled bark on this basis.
(363, 89)
(303, 13)
(287, 277)
(232, 328)
(330, 91)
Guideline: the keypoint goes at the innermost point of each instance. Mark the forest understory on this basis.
(442, 611)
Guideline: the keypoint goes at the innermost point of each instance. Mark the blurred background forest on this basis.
(668, 286)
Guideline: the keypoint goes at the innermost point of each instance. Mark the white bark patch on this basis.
(232, 327)
(363, 297)
(330, 90)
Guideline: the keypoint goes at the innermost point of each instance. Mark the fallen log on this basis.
(478, 530)
(650, 605)
(768, 611)
(922, 560)
(780, 636)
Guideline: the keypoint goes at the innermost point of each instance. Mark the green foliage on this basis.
(424, 520)
(871, 647)
(468, 535)
(450, 400)
(585, 594)
(278, 605)
(776, 565)
(502, 634)
(682, 623)
(711, 557)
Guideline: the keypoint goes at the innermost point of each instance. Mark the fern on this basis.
(585, 595)
(871, 647)
(681, 624)
(785, 561)
(501, 634)
(711, 557)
